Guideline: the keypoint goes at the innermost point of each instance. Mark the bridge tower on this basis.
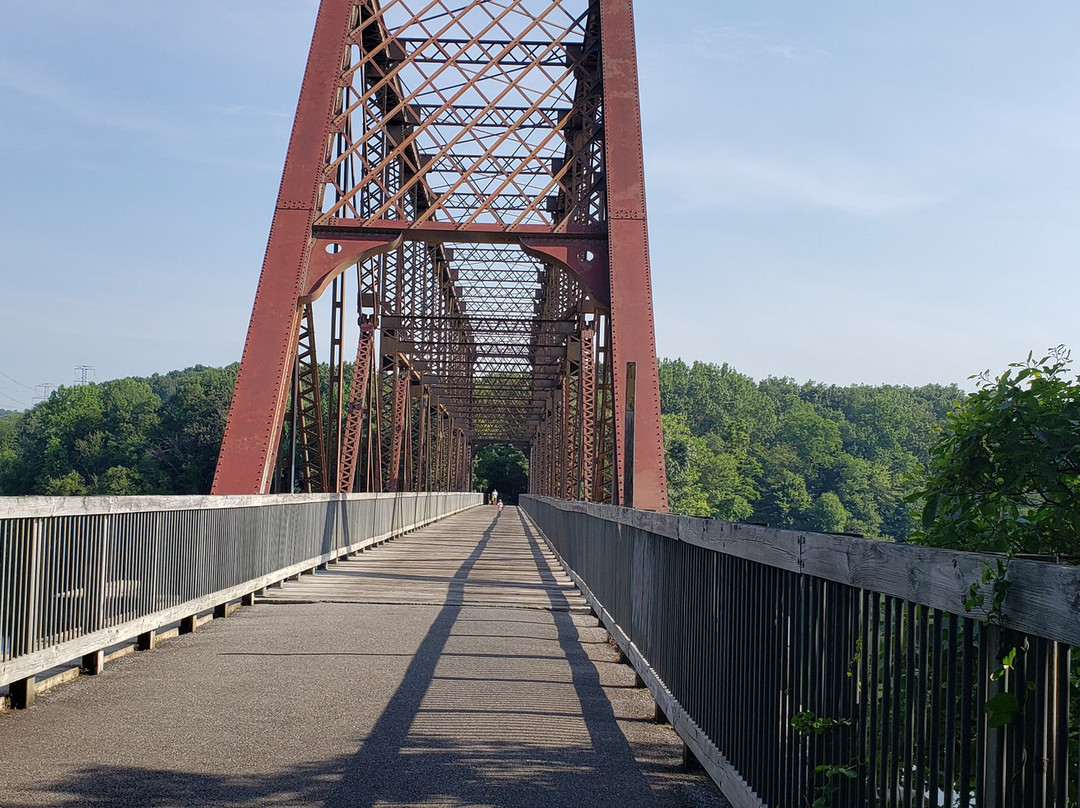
(462, 200)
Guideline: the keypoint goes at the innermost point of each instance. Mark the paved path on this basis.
(455, 666)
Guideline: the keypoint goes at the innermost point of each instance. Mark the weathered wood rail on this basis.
(802, 666)
(78, 575)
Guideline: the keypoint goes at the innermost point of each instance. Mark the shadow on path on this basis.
(550, 762)
(497, 713)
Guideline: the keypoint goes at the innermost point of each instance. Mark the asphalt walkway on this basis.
(454, 666)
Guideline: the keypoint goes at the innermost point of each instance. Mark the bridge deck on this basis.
(454, 666)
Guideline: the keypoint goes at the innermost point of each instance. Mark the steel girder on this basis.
(477, 168)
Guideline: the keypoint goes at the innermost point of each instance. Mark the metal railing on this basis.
(81, 574)
(811, 669)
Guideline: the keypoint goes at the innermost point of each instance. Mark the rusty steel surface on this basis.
(475, 170)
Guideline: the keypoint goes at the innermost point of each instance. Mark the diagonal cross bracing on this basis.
(455, 155)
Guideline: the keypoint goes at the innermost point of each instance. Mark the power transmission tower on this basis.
(44, 390)
(83, 374)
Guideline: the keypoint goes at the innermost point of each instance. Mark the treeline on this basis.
(159, 435)
(803, 456)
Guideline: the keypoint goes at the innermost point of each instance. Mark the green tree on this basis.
(1005, 471)
(10, 428)
(502, 468)
(674, 386)
(703, 479)
(682, 456)
(126, 436)
(70, 485)
(770, 451)
(129, 419)
(827, 514)
(728, 481)
(58, 436)
(814, 438)
(195, 404)
(785, 499)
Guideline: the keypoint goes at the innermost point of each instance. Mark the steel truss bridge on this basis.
(461, 216)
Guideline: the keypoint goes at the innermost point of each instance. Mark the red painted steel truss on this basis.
(465, 179)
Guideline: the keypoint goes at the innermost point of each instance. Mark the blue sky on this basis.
(848, 192)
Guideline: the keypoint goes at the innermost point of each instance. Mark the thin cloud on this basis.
(721, 42)
(725, 179)
(64, 99)
(1052, 126)
(179, 140)
(250, 112)
(729, 44)
(783, 51)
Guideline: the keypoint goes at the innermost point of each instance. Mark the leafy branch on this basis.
(1004, 477)
(808, 723)
(1004, 473)
(1003, 706)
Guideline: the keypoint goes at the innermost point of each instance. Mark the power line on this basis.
(10, 379)
(14, 400)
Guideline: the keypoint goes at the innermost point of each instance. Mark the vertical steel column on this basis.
(308, 408)
(337, 379)
(632, 333)
(420, 471)
(374, 433)
(629, 429)
(399, 426)
(587, 376)
(603, 486)
(257, 411)
(443, 481)
(569, 419)
(408, 461)
(354, 414)
(461, 483)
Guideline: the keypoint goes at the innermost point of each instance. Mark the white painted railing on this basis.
(81, 574)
